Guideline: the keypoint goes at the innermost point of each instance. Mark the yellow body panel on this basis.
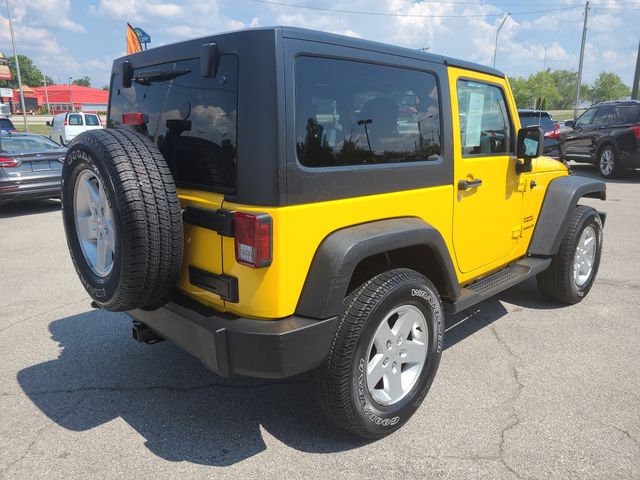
(483, 230)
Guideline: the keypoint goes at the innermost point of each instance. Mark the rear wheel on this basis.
(608, 162)
(385, 354)
(122, 219)
(574, 268)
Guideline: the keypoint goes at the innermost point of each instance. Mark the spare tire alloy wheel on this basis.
(385, 353)
(94, 223)
(122, 219)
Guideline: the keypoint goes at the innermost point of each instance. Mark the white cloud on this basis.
(53, 14)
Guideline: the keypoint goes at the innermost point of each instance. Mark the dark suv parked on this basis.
(607, 135)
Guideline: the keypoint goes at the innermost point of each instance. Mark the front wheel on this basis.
(385, 353)
(573, 270)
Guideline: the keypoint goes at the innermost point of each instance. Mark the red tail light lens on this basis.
(555, 133)
(135, 118)
(636, 131)
(252, 234)
(9, 162)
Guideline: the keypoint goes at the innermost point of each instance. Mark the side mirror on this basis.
(569, 123)
(530, 145)
(48, 124)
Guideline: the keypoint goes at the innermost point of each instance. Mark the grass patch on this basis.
(41, 129)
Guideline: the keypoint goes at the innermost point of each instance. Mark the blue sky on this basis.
(73, 38)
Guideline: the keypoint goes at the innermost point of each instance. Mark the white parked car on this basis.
(65, 126)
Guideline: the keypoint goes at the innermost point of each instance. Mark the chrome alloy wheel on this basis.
(397, 354)
(94, 223)
(607, 161)
(585, 256)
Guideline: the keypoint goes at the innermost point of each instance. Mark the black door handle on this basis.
(467, 184)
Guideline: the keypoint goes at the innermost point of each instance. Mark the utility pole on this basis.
(15, 54)
(46, 93)
(70, 95)
(636, 77)
(584, 38)
(544, 62)
(495, 50)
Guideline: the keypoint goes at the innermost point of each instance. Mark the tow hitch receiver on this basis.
(142, 333)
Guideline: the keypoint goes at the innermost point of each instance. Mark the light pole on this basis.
(46, 93)
(495, 50)
(71, 95)
(15, 54)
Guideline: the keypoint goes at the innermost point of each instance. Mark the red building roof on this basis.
(66, 93)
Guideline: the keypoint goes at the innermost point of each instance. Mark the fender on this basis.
(340, 252)
(560, 201)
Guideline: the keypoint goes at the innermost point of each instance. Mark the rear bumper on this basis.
(230, 345)
(20, 190)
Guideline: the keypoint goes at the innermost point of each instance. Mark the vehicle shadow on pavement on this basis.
(183, 411)
(29, 207)
(474, 319)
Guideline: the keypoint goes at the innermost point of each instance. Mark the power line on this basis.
(410, 15)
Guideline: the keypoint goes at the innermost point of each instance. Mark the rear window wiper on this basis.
(148, 78)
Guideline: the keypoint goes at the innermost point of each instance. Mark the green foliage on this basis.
(608, 86)
(556, 89)
(31, 75)
(82, 82)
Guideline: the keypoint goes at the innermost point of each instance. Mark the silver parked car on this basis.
(30, 166)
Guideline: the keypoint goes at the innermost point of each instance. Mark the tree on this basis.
(542, 87)
(105, 87)
(521, 92)
(608, 86)
(31, 75)
(82, 82)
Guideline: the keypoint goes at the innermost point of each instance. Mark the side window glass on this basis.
(354, 113)
(585, 119)
(629, 113)
(485, 127)
(604, 115)
(75, 120)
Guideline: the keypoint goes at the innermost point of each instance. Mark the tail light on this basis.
(66, 121)
(135, 118)
(636, 131)
(252, 234)
(555, 133)
(6, 162)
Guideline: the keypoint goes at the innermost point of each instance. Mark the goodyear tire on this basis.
(385, 353)
(122, 219)
(574, 268)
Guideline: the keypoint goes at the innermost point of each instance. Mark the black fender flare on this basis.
(560, 200)
(340, 252)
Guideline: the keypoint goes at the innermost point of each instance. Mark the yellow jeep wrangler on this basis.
(279, 200)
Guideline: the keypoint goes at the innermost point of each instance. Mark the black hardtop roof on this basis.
(533, 111)
(333, 39)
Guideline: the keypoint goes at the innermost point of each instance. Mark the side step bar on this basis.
(493, 284)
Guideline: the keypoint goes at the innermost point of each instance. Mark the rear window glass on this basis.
(74, 120)
(6, 123)
(26, 144)
(352, 113)
(192, 119)
(91, 120)
(629, 114)
(529, 120)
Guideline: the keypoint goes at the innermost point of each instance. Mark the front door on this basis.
(578, 142)
(487, 204)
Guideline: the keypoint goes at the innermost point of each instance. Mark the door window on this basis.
(354, 113)
(586, 118)
(75, 120)
(605, 115)
(92, 120)
(629, 113)
(485, 127)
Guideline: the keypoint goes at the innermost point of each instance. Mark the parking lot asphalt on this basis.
(526, 388)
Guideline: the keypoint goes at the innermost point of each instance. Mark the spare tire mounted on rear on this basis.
(122, 219)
